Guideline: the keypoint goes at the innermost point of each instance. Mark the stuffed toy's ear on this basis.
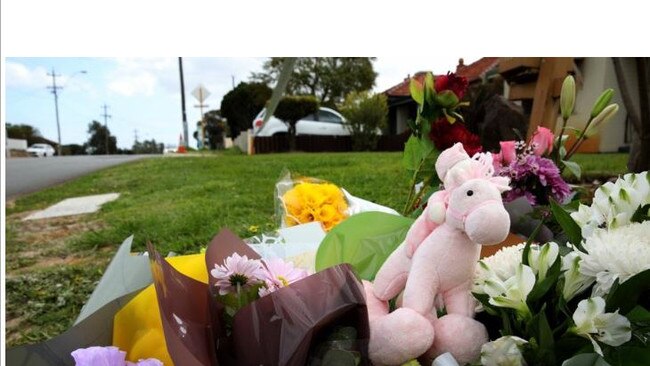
(502, 183)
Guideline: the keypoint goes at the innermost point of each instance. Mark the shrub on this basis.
(240, 105)
(292, 109)
(366, 115)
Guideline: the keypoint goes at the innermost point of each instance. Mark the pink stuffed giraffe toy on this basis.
(435, 264)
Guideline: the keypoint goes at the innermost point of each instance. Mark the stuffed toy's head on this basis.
(476, 208)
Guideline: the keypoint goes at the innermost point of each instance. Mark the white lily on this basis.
(513, 292)
(574, 281)
(593, 323)
(614, 203)
(542, 258)
(503, 352)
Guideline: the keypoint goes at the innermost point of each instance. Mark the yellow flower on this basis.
(307, 202)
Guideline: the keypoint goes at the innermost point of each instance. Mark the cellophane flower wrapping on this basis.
(300, 324)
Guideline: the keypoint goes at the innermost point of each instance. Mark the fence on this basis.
(317, 143)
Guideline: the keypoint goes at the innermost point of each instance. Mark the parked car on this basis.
(170, 149)
(324, 122)
(41, 150)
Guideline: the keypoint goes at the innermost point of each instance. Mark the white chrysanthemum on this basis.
(614, 203)
(617, 253)
(502, 264)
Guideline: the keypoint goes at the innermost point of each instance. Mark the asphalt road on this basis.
(26, 175)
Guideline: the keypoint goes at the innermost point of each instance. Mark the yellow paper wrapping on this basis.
(137, 328)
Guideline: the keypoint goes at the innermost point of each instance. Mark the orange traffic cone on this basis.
(181, 146)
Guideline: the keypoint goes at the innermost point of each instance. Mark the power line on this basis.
(106, 117)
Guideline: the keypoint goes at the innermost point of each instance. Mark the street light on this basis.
(55, 89)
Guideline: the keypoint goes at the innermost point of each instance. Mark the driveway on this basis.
(26, 175)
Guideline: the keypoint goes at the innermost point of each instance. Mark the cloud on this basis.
(20, 76)
(141, 76)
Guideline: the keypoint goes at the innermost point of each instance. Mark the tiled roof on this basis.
(472, 72)
(476, 70)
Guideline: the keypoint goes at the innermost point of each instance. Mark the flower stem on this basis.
(413, 197)
(559, 142)
(579, 142)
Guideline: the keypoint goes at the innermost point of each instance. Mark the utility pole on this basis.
(180, 68)
(233, 81)
(106, 116)
(55, 89)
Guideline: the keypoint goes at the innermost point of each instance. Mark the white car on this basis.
(41, 150)
(324, 122)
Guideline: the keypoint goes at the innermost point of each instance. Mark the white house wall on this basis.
(401, 116)
(597, 75)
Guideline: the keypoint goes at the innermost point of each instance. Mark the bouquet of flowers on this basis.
(301, 200)
(583, 301)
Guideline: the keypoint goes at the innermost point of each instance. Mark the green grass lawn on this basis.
(179, 204)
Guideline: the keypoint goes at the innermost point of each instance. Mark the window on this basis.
(325, 116)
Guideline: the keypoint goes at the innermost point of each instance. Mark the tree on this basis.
(365, 116)
(292, 109)
(23, 132)
(96, 143)
(240, 105)
(639, 117)
(329, 79)
(215, 128)
(148, 147)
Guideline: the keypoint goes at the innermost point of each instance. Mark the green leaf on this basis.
(541, 288)
(625, 296)
(573, 167)
(417, 92)
(630, 356)
(412, 155)
(541, 330)
(586, 359)
(641, 214)
(447, 99)
(571, 229)
(335, 357)
(638, 314)
(429, 90)
(364, 240)
(425, 142)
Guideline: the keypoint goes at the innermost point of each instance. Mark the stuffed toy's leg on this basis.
(392, 275)
(423, 281)
(457, 332)
(397, 337)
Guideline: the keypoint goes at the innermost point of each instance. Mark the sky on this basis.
(143, 94)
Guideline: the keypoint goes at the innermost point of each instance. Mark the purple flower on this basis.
(107, 356)
(535, 178)
(278, 274)
(237, 271)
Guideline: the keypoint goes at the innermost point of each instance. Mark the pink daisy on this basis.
(278, 274)
(237, 270)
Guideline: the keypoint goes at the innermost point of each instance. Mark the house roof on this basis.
(472, 72)
(476, 70)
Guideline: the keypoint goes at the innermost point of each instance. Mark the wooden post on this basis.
(545, 104)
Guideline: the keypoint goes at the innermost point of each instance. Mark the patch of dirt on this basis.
(39, 244)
